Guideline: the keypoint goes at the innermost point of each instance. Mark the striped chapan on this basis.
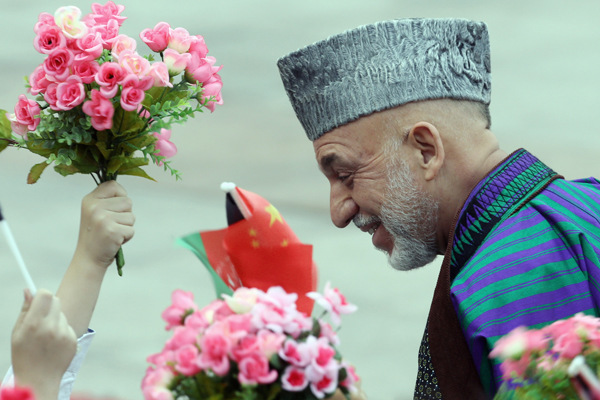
(526, 252)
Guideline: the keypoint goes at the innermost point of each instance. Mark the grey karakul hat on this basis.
(384, 65)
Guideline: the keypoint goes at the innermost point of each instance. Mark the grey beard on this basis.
(410, 217)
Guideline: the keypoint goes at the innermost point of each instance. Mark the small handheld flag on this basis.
(257, 249)
(13, 246)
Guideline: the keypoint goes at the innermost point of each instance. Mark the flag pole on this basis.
(229, 187)
(13, 246)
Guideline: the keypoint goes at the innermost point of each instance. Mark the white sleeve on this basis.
(68, 379)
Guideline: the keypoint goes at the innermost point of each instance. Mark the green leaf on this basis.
(131, 163)
(125, 122)
(66, 170)
(137, 172)
(36, 171)
(5, 130)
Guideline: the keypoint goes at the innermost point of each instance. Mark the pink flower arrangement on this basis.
(559, 361)
(97, 101)
(100, 107)
(250, 345)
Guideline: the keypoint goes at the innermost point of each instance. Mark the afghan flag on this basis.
(257, 249)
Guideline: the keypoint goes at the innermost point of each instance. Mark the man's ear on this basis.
(427, 144)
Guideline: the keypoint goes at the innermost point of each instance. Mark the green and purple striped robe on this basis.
(525, 252)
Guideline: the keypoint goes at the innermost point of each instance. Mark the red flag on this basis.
(258, 249)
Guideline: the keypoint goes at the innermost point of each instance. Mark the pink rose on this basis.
(254, 369)
(176, 62)
(57, 64)
(517, 342)
(197, 320)
(48, 38)
(568, 345)
(247, 345)
(164, 146)
(132, 93)
(86, 70)
(179, 40)
(27, 113)
(200, 69)
(297, 354)
(294, 379)
(160, 73)
(182, 335)
(182, 305)
(155, 384)
(70, 93)
(211, 92)
(90, 46)
(44, 21)
(17, 127)
(185, 360)
(269, 342)
(214, 350)
(333, 302)
(165, 357)
(198, 46)
(322, 356)
(134, 63)
(238, 325)
(100, 110)
(37, 81)
(325, 385)
(108, 77)
(329, 333)
(103, 14)
(50, 96)
(158, 38)
(68, 20)
(122, 43)
(351, 377)
(108, 33)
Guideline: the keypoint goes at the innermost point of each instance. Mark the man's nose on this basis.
(342, 207)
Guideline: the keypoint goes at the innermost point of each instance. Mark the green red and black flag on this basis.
(257, 249)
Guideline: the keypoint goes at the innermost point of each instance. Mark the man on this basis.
(398, 115)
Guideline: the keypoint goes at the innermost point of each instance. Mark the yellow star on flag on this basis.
(275, 215)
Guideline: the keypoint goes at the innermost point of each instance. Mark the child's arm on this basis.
(42, 345)
(106, 223)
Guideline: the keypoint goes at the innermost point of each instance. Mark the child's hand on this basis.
(42, 345)
(106, 223)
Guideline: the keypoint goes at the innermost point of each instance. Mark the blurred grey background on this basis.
(545, 97)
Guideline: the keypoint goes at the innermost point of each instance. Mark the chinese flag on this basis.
(257, 249)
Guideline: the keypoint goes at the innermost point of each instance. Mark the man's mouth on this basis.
(373, 228)
(367, 224)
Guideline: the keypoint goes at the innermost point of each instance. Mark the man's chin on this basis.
(407, 260)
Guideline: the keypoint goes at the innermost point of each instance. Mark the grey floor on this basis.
(545, 63)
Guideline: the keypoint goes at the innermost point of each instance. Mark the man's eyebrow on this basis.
(326, 161)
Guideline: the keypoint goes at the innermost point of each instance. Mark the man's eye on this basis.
(343, 178)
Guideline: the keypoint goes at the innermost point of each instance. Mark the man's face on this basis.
(372, 187)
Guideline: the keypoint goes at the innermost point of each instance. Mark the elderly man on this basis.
(398, 115)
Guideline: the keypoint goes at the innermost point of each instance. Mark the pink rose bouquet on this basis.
(558, 361)
(98, 106)
(250, 345)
